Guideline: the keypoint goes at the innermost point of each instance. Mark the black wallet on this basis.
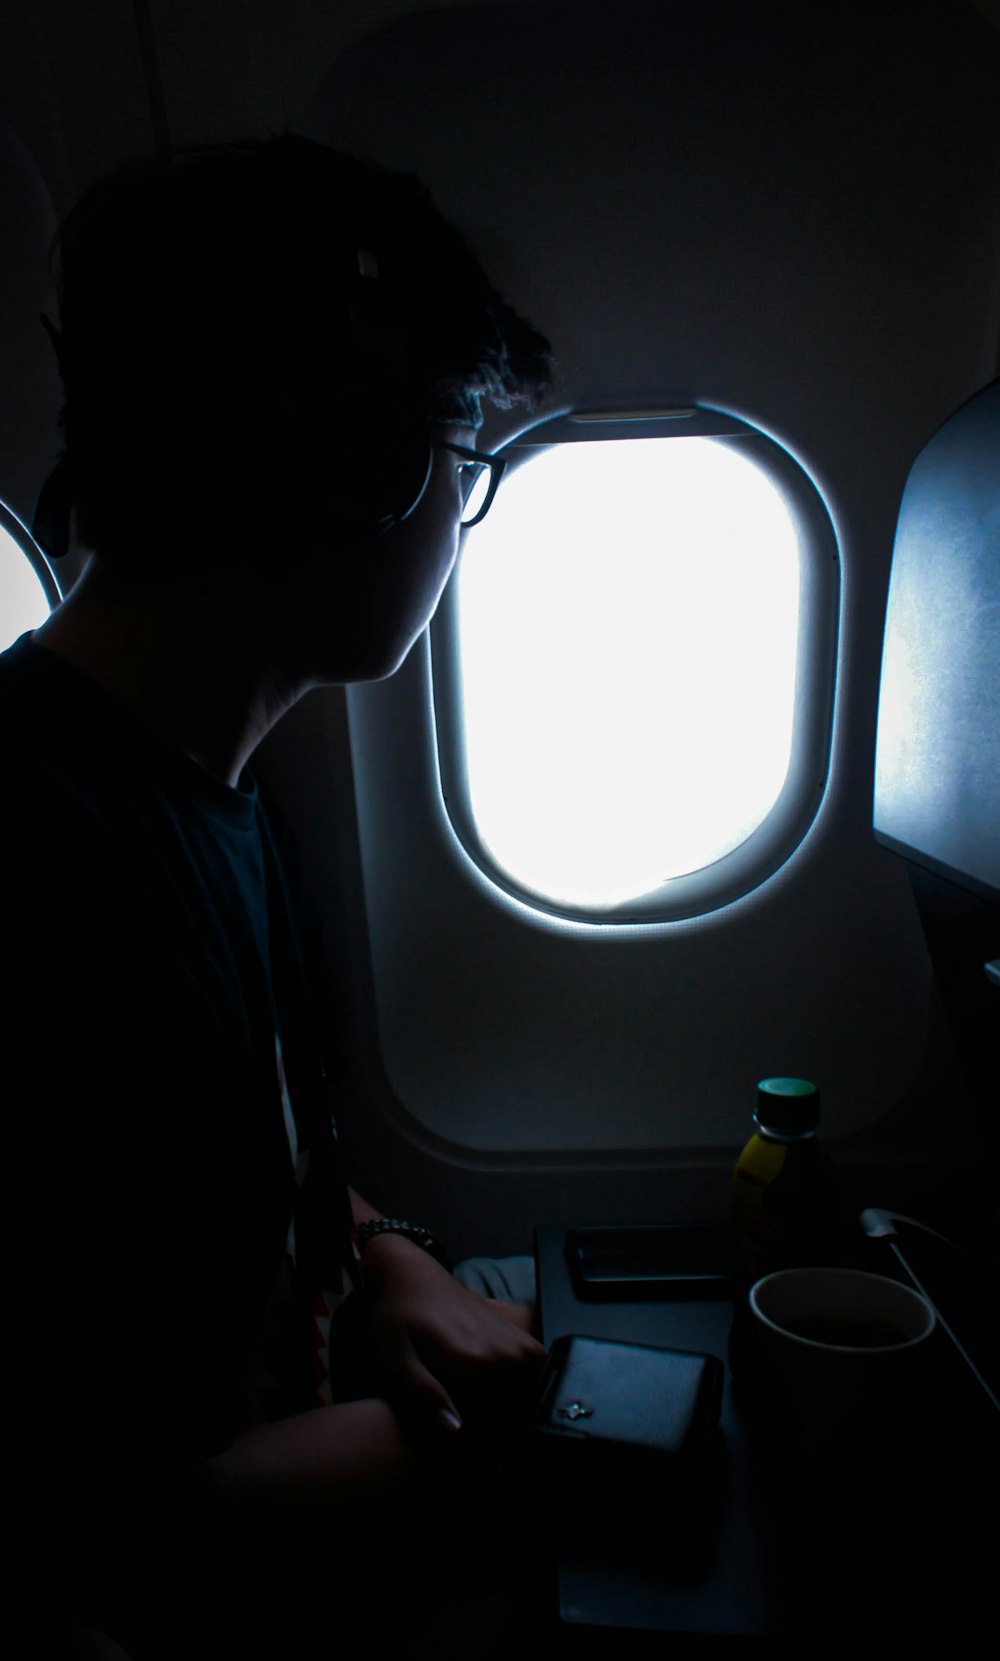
(630, 1400)
(620, 1425)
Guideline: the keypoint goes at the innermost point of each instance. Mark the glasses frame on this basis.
(496, 465)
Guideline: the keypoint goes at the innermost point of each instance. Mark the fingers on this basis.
(442, 1343)
(517, 1315)
(486, 1339)
(426, 1392)
(491, 1366)
(520, 1344)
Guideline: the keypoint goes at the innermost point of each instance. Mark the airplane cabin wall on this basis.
(753, 207)
(795, 285)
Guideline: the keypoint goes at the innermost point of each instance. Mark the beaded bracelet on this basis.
(422, 1237)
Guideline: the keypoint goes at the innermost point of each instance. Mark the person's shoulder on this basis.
(15, 673)
(23, 663)
(32, 733)
(23, 724)
(33, 686)
(57, 851)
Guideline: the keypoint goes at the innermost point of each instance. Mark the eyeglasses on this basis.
(479, 479)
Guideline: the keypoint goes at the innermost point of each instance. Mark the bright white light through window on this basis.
(628, 620)
(23, 604)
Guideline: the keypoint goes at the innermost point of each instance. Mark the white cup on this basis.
(841, 1341)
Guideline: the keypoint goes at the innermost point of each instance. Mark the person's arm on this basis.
(445, 1346)
(325, 1457)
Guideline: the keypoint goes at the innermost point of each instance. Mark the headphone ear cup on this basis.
(387, 481)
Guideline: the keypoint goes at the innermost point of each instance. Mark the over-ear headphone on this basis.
(383, 478)
(389, 475)
(390, 470)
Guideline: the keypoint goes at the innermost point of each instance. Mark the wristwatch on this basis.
(364, 1232)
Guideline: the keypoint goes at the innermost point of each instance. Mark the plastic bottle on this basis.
(785, 1199)
(785, 1211)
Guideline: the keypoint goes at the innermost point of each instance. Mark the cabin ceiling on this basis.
(88, 85)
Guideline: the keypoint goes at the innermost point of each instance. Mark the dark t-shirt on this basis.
(175, 1198)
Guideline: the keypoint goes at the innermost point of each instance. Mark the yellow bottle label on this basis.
(758, 1166)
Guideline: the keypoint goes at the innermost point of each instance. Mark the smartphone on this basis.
(654, 1260)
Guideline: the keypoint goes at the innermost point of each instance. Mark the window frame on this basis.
(18, 532)
(746, 867)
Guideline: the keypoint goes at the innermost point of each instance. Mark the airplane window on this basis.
(25, 597)
(648, 592)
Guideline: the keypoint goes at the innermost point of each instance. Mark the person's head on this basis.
(258, 343)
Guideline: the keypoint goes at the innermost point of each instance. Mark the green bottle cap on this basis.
(787, 1104)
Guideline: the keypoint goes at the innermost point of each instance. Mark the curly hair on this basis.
(265, 325)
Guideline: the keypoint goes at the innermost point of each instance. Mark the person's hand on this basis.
(447, 1350)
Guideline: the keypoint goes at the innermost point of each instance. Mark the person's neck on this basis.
(192, 665)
